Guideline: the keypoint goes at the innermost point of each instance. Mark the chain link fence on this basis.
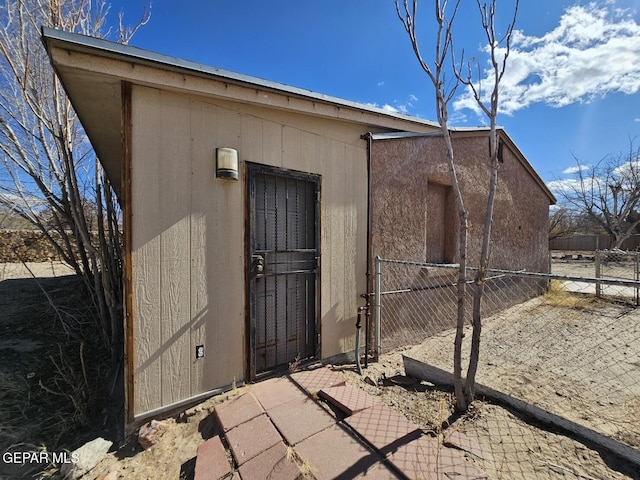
(617, 264)
(548, 342)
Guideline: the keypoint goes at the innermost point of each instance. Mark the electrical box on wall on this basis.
(199, 351)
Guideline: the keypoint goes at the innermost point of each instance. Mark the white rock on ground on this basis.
(88, 455)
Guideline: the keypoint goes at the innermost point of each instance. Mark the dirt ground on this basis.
(579, 360)
(513, 362)
(39, 362)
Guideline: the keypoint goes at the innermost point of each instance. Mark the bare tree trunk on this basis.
(487, 14)
(461, 287)
(481, 275)
(443, 95)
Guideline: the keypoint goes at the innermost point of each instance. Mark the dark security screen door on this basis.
(283, 248)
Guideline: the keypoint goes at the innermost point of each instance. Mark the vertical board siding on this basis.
(145, 200)
(251, 138)
(188, 236)
(271, 153)
(355, 244)
(160, 190)
(334, 217)
(175, 252)
(226, 272)
(205, 372)
(292, 155)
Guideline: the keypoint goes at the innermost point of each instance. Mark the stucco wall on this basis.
(403, 212)
(409, 176)
(188, 234)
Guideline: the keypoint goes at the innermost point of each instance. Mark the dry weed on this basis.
(305, 468)
(557, 296)
(306, 471)
(52, 394)
(293, 366)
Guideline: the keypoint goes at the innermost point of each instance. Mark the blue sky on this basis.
(572, 85)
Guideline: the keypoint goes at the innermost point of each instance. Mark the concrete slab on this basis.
(299, 419)
(334, 453)
(383, 428)
(272, 464)
(426, 458)
(315, 380)
(276, 391)
(380, 471)
(348, 398)
(418, 459)
(212, 462)
(251, 438)
(237, 411)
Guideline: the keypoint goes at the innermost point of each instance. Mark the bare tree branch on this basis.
(443, 95)
(444, 51)
(608, 193)
(487, 15)
(51, 176)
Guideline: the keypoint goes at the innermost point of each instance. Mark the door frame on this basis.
(250, 335)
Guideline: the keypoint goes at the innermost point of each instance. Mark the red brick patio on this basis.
(278, 430)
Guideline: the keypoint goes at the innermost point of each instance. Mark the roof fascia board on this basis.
(187, 72)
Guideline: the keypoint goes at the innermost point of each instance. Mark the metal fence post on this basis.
(377, 306)
(598, 271)
(637, 276)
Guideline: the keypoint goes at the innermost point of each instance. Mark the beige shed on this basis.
(227, 279)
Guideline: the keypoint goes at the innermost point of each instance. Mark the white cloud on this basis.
(576, 169)
(396, 106)
(390, 108)
(565, 185)
(593, 51)
(628, 169)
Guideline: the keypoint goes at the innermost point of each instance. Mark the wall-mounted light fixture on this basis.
(227, 163)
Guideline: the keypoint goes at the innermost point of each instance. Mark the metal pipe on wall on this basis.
(377, 306)
(358, 328)
(369, 138)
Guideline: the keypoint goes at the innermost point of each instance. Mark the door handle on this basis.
(257, 264)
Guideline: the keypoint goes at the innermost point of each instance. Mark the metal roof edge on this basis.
(108, 48)
(454, 130)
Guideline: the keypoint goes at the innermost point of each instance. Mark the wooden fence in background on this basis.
(591, 243)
